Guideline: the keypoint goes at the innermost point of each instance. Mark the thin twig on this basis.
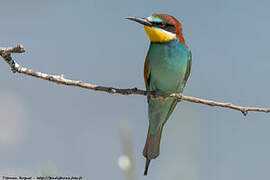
(60, 79)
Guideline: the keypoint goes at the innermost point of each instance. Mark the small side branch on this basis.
(60, 79)
(5, 53)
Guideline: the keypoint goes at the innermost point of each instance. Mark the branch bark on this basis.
(6, 52)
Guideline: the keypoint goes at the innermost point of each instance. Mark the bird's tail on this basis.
(151, 148)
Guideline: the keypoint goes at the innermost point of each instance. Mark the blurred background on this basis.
(47, 128)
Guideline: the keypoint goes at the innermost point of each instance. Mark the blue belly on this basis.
(168, 62)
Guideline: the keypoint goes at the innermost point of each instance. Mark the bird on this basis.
(166, 70)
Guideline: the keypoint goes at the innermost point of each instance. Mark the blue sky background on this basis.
(73, 131)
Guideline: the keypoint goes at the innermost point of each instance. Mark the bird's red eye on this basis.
(162, 25)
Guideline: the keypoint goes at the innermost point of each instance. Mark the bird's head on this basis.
(161, 28)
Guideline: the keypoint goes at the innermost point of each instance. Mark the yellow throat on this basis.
(158, 35)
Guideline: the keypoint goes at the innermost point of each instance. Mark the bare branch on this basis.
(60, 79)
(5, 53)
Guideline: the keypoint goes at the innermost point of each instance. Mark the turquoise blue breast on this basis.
(168, 62)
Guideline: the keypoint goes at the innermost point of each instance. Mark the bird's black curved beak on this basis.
(142, 21)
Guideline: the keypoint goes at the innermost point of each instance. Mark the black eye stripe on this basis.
(157, 23)
(170, 29)
(167, 27)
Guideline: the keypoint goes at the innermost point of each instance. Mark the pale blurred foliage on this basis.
(49, 169)
(124, 162)
(12, 119)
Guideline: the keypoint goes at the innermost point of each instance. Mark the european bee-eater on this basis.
(166, 70)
